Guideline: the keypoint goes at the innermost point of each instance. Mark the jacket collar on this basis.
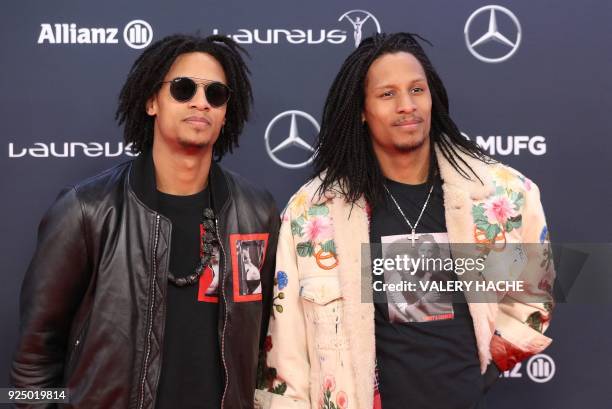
(476, 189)
(457, 187)
(141, 180)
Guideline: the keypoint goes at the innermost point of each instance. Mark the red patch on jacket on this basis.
(248, 254)
(505, 354)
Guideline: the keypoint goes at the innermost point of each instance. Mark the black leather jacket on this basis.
(93, 300)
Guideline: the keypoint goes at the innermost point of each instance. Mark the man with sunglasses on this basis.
(134, 296)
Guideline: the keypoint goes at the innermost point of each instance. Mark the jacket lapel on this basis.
(459, 194)
(351, 229)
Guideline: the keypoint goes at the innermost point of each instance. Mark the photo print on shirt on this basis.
(418, 305)
(248, 252)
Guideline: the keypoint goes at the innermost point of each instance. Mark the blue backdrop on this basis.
(529, 81)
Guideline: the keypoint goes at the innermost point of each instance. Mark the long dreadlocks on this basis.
(344, 151)
(148, 71)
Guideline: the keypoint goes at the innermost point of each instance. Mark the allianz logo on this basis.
(511, 144)
(70, 150)
(71, 34)
(137, 34)
(291, 36)
(540, 368)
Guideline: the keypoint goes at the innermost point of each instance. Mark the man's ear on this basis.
(151, 106)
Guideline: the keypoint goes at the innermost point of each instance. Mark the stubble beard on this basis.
(195, 143)
(416, 143)
(191, 145)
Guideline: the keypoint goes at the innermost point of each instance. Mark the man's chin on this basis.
(194, 144)
(411, 146)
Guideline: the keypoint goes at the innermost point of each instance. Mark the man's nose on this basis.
(199, 100)
(406, 103)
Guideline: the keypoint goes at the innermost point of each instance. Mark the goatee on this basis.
(412, 146)
(192, 145)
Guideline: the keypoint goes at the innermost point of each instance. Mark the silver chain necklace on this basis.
(413, 234)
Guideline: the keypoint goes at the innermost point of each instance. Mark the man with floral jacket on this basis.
(391, 165)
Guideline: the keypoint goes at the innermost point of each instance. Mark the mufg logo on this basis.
(362, 23)
(136, 34)
(510, 145)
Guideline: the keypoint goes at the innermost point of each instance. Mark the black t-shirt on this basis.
(425, 358)
(191, 374)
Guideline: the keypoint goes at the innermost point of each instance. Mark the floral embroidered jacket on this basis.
(321, 345)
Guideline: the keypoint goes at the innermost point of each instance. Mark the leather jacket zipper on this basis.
(76, 345)
(225, 320)
(71, 360)
(150, 324)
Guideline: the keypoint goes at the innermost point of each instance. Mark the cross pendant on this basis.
(412, 236)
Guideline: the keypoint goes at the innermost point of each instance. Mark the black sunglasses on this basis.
(184, 88)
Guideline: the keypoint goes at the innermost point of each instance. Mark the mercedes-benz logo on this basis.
(492, 34)
(293, 138)
(357, 18)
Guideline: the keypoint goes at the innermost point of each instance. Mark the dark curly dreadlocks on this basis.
(344, 148)
(148, 71)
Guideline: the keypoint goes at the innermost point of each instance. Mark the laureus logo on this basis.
(358, 18)
(70, 150)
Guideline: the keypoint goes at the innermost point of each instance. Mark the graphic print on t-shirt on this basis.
(422, 304)
(248, 256)
(208, 290)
